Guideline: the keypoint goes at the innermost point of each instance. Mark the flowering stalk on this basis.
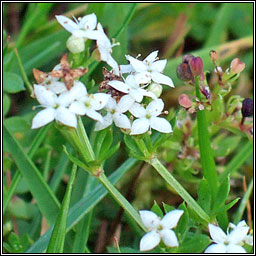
(178, 188)
(207, 160)
(83, 145)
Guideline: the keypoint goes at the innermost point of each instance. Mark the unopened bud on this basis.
(237, 66)
(184, 101)
(187, 58)
(247, 107)
(213, 55)
(156, 89)
(196, 66)
(75, 44)
(184, 72)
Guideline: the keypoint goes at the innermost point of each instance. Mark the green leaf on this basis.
(194, 243)
(6, 104)
(157, 210)
(204, 196)
(184, 220)
(226, 207)
(81, 208)
(222, 195)
(132, 146)
(46, 200)
(12, 83)
(167, 208)
(57, 240)
(110, 152)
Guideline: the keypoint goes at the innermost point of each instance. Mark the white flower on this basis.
(88, 104)
(147, 118)
(105, 49)
(84, 28)
(56, 107)
(149, 68)
(115, 114)
(159, 229)
(133, 90)
(228, 243)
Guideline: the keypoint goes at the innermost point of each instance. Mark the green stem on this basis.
(178, 188)
(23, 73)
(121, 200)
(206, 155)
(140, 143)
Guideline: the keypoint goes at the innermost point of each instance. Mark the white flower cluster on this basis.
(144, 79)
(231, 242)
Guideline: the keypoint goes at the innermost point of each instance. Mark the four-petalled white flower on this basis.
(159, 229)
(56, 107)
(228, 243)
(148, 118)
(115, 114)
(88, 104)
(82, 28)
(133, 90)
(149, 68)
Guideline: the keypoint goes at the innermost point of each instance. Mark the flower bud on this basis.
(75, 44)
(213, 56)
(184, 101)
(156, 89)
(237, 66)
(247, 107)
(183, 72)
(187, 58)
(196, 66)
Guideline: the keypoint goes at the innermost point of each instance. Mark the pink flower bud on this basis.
(196, 66)
(237, 66)
(184, 101)
(184, 72)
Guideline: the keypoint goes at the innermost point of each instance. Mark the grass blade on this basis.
(46, 200)
(57, 240)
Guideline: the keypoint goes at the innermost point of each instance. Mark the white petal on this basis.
(155, 107)
(120, 86)
(149, 241)
(137, 110)
(148, 94)
(57, 87)
(149, 219)
(43, 117)
(160, 124)
(113, 64)
(240, 224)
(67, 23)
(169, 237)
(94, 115)
(137, 94)
(99, 100)
(137, 65)
(107, 121)
(111, 104)
(238, 234)
(143, 77)
(171, 219)
(125, 103)
(45, 96)
(232, 248)
(249, 239)
(139, 126)
(93, 35)
(151, 57)
(88, 22)
(104, 52)
(217, 234)
(122, 121)
(78, 108)
(159, 65)
(64, 116)
(216, 248)
(126, 69)
(161, 79)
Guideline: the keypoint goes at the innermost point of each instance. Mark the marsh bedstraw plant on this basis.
(129, 98)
